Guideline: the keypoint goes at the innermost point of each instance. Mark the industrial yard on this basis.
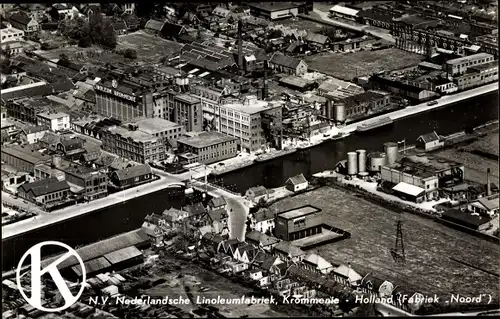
(433, 265)
(347, 66)
(477, 157)
(148, 47)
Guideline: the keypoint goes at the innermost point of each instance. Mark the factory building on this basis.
(298, 223)
(123, 99)
(209, 147)
(278, 10)
(459, 66)
(478, 75)
(188, 112)
(256, 123)
(427, 172)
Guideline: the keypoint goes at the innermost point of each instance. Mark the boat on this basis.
(337, 136)
(270, 156)
(373, 125)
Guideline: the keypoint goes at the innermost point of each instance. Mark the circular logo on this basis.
(114, 84)
(37, 273)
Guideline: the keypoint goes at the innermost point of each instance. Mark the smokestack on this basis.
(199, 32)
(264, 87)
(488, 184)
(240, 47)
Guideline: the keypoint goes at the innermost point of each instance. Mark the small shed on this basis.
(296, 183)
(429, 141)
(409, 192)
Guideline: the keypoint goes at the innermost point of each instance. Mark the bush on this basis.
(130, 54)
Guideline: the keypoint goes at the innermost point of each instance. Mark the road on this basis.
(166, 180)
(374, 31)
(238, 212)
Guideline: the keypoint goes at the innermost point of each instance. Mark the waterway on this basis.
(121, 218)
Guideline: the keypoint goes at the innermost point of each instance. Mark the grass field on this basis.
(346, 66)
(476, 165)
(302, 24)
(148, 47)
(429, 246)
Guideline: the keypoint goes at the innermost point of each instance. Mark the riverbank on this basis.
(336, 133)
(47, 219)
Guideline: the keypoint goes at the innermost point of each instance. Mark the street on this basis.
(238, 213)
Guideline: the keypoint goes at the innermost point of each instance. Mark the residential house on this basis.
(263, 221)
(346, 275)
(212, 242)
(153, 226)
(154, 26)
(223, 13)
(288, 65)
(32, 134)
(44, 192)
(224, 247)
(260, 277)
(172, 31)
(317, 41)
(217, 203)
(288, 251)
(55, 121)
(296, 183)
(196, 211)
(120, 27)
(174, 216)
(261, 240)
(131, 176)
(254, 194)
(72, 148)
(50, 140)
(245, 253)
(485, 206)
(217, 221)
(24, 22)
(270, 266)
(317, 264)
(237, 267)
(91, 183)
(468, 220)
(429, 141)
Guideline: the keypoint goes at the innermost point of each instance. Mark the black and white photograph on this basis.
(246, 159)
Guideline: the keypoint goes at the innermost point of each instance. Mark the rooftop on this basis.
(187, 98)
(205, 139)
(27, 153)
(155, 125)
(299, 212)
(250, 106)
(273, 6)
(52, 115)
(137, 136)
(468, 58)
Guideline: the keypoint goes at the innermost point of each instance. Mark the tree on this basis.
(63, 57)
(274, 34)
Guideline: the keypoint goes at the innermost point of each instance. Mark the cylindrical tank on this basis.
(352, 163)
(391, 152)
(377, 160)
(56, 161)
(361, 160)
(339, 112)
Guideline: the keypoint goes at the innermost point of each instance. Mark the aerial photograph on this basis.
(246, 159)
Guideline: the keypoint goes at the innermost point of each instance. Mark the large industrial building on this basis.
(279, 10)
(298, 223)
(209, 147)
(460, 66)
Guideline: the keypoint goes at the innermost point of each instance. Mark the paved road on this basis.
(376, 32)
(238, 213)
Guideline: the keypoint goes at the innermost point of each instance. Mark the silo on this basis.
(56, 161)
(361, 160)
(377, 160)
(391, 152)
(339, 112)
(352, 163)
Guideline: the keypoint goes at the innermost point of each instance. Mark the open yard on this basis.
(346, 66)
(475, 164)
(302, 24)
(437, 257)
(148, 47)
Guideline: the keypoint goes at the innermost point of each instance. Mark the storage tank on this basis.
(391, 152)
(377, 160)
(56, 161)
(339, 112)
(352, 163)
(361, 160)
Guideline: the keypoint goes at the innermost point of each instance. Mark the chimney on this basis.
(240, 47)
(264, 87)
(488, 184)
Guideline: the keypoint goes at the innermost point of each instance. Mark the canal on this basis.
(125, 217)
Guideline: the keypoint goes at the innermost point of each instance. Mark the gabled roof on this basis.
(195, 209)
(261, 238)
(288, 249)
(319, 262)
(259, 190)
(20, 17)
(490, 203)
(33, 129)
(316, 38)
(429, 137)
(132, 172)
(171, 29)
(50, 138)
(408, 189)
(217, 202)
(263, 215)
(154, 25)
(347, 272)
(283, 60)
(269, 262)
(45, 186)
(297, 180)
(173, 213)
(120, 25)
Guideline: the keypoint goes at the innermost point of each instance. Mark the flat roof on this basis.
(468, 58)
(299, 212)
(206, 139)
(273, 6)
(137, 136)
(155, 125)
(188, 98)
(250, 106)
(52, 115)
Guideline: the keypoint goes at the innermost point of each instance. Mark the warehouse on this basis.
(343, 12)
(409, 192)
(276, 10)
(298, 223)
